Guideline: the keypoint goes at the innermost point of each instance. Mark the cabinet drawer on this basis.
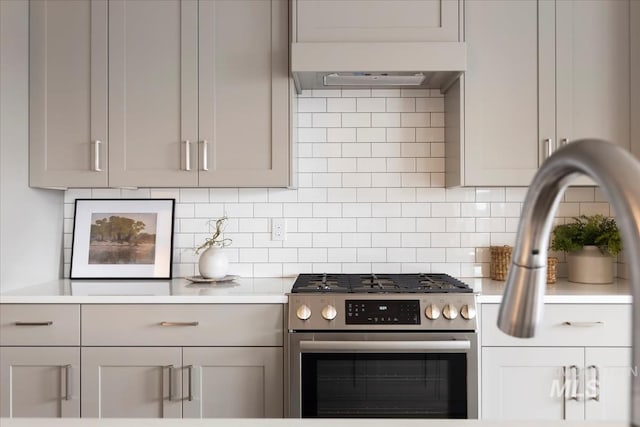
(183, 325)
(593, 325)
(39, 324)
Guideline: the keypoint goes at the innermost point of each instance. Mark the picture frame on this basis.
(122, 239)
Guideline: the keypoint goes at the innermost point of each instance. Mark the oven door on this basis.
(383, 375)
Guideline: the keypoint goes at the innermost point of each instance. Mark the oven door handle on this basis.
(392, 346)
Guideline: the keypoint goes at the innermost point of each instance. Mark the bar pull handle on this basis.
(575, 383)
(96, 155)
(67, 382)
(205, 155)
(196, 323)
(187, 155)
(596, 378)
(45, 323)
(583, 324)
(564, 388)
(189, 375)
(170, 369)
(549, 147)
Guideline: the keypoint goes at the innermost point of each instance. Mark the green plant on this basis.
(216, 239)
(596, 230)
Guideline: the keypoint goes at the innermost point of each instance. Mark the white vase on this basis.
(213, 263)
(590, 265)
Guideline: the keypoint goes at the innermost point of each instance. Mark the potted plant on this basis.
(213, 262)
(591, 243)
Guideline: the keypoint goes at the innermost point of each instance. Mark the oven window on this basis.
(397, 385)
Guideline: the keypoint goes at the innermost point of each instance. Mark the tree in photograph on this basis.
(119, 229)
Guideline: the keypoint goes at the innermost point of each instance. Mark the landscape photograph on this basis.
(122, 238)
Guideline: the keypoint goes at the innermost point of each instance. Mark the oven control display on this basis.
(371, 312)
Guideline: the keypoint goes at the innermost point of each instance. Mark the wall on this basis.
(370, 198)
(30, 220)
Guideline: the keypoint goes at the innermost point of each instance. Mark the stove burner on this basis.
(373, 283)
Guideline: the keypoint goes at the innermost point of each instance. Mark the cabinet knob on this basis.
(468, 312)
(450, 312)
(329, 312)
(432, 312)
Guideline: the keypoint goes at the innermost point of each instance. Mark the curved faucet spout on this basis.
(618, 174)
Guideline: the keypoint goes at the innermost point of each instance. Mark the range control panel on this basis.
(372, 312)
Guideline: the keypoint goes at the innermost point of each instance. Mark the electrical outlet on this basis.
(278, 229)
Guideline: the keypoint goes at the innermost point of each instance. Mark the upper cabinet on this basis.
(193, 98)
(541, 74)
(376, 21)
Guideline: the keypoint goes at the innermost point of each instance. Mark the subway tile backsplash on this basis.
(370, 197)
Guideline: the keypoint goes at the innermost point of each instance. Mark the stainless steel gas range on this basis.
(383, 346)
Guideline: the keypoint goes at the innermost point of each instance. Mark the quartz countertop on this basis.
(307, 422)
(267, 291)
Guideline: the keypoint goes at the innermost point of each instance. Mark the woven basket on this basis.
(500, 260)
(552, 270)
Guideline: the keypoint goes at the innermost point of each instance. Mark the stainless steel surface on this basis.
(583, 324)
(45, 323)
(187, 155)
(617, 173)
(596, 379)
(575, 382)
(96, 156)
(196, 323)
(394, 346)
(67, 382)
(205, 155)
(317, 342)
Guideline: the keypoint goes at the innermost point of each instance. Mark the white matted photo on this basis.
(122, 239)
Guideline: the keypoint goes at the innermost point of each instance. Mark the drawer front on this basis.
(39, 324)
(566, 325)
(183, 325)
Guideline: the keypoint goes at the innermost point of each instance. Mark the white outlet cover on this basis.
(278, 229)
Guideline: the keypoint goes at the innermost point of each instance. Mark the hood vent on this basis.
(432, 65)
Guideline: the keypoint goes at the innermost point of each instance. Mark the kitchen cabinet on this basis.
(575, 371)
(541, 74)
(39, 360)
(213, 361)
(180, 77)
(377, 20)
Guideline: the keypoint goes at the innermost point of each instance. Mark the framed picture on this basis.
(122, 239)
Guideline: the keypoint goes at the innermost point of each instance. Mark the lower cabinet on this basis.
(39, 382)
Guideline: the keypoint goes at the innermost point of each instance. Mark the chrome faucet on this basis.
(618, 174)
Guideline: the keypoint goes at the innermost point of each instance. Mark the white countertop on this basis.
(308, 422)
(267, 291)
(176, 291)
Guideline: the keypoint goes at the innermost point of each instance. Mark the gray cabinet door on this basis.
(233, 382)
(376, 20)
(39, 382)
(131, 382)
(243, 93)
(608, 373)
(592, 70)
(68, 93)
(153, 85)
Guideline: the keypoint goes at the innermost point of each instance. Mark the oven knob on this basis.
(329, 312)
(468, 312)
(432, 312)
(303, 312)
(450, 312)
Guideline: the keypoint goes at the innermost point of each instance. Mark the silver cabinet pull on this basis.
(374, 346)
(596, 378)
(189, 374)
(576, 382)
(196, 323)
(549, 146)
(564, 389)
(170, 369)
(67, 382)
(45, 323)
(563, 142)
(583, 324)
(187, 155)
(96, 156)
(205, 155)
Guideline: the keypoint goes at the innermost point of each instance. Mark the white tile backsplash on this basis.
(370, 197)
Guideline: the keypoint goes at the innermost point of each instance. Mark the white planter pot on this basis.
(590, 265)
(213, 263)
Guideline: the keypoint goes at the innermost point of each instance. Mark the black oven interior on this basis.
(384, 385)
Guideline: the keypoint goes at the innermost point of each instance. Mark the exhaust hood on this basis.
(430, 65)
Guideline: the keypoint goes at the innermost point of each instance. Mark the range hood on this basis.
(431, 65)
